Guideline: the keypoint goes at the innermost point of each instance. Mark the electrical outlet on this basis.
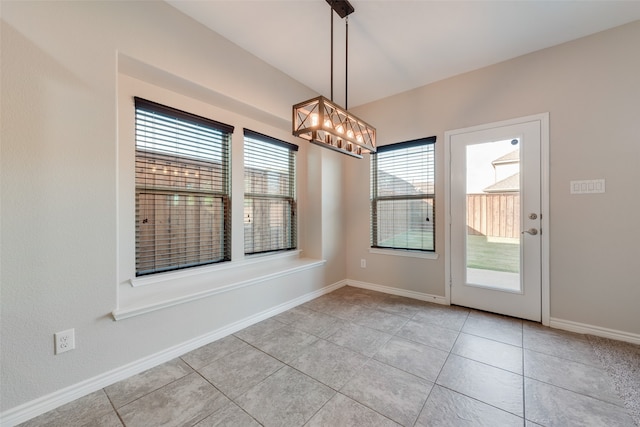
(64, 341)
(363, 263)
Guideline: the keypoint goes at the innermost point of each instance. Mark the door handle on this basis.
(532, 231)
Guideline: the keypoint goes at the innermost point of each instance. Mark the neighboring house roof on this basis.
(512, 157)
(390, 185)
(425, 187)
(509, 184)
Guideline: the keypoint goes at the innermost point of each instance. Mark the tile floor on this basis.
(355, 357)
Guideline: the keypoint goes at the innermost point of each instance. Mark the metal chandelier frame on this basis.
(323, 122)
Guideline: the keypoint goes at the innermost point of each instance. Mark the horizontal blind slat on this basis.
(402, 195)
(269, 205)
(182, 199)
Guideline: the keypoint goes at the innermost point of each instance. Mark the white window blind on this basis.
(182, 189)
(403, 196)
(269, 194)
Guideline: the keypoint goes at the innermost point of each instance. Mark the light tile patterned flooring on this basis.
(355, 357)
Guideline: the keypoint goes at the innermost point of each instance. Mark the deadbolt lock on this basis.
(533, 216)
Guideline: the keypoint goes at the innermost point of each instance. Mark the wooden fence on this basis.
(494, 215)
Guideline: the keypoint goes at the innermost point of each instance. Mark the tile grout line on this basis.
(114, 407)
(435, 381)
(150, 392)
(395, 335)
(463, 394)
(372, 357)
(575, 392)
(233, 400)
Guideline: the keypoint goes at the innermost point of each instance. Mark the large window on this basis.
(182, 189)
(269, 194)
(403, 195)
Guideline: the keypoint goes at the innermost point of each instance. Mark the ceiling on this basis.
(398, 45)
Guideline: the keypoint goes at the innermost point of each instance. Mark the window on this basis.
(403, 196)
(182, 189)
(269, 194)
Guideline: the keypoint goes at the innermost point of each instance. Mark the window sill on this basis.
(151, 293)
(404, 253)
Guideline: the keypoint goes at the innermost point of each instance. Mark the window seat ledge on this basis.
(135, 301)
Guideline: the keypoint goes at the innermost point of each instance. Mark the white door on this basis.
(496, 217)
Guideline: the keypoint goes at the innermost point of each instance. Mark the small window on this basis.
(269, 194)
(182, 189)
(403, 196)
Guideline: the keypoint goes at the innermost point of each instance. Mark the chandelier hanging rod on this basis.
(346, 63)
(343, 8)
(331, 12)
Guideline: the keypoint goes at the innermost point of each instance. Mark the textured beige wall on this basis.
(591, 88)
(59, 183)
(59, 212)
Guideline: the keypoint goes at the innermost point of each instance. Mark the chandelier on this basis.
(323, 122)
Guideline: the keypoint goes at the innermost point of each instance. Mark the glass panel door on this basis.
(493, 215)
(495, 211)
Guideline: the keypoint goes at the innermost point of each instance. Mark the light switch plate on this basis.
(587, 186)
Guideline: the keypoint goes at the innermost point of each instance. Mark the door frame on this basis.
(543, 118)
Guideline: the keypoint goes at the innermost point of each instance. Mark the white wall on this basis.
(61, 67)
(591, 88)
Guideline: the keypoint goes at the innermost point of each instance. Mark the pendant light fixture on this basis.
(323, 122)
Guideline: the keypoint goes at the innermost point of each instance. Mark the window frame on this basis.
(289, 235)
(190, 194)
(376, 198)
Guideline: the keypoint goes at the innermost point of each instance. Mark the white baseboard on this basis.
(400, 292)
(583, 328)
(58, 398)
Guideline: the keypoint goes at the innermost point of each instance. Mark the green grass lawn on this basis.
(480, 253)
(492, 256)
(410, 239)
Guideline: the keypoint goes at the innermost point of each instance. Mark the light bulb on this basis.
(328, 124)
(314, 120)
(350, 133)
(340, 129)
(359, 138)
